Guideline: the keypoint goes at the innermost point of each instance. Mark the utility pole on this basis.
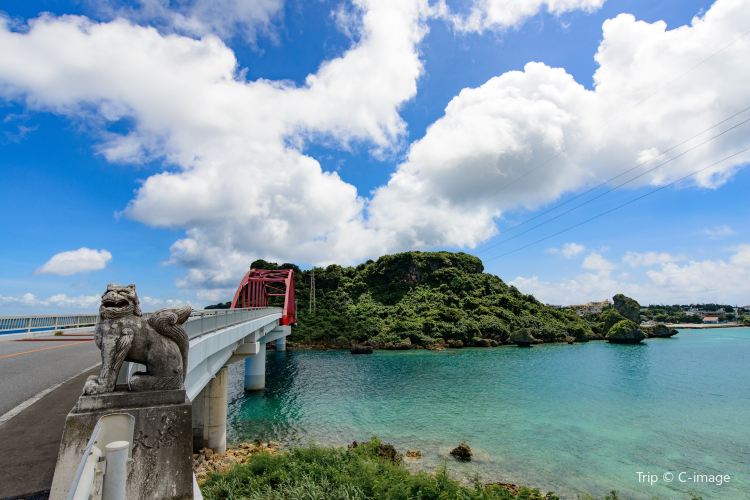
(312, 291)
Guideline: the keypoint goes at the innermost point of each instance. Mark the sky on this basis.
(581, 148)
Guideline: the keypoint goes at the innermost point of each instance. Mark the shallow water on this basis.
(583, 418)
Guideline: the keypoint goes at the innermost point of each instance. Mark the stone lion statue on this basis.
(160, 343)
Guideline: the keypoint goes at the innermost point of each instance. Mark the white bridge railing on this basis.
(103, 470)
(200, 320)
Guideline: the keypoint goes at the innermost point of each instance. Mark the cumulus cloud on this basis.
(666, 281)
(568, 250)
(65, 302)
(241, 188)
(503, 14)
(524, 138)
(71, 262)
(224, 18)
(57, 301)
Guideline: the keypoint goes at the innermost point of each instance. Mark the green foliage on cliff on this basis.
(334, 473)
(422, 299)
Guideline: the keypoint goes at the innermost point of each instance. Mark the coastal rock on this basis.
(462, 452)
(455, 344)
(480, 342)
(660, 331)
(383, 450)
(207, 461)
(415, 454)
(522, 338)
(570, 340)
(625, 332)
(397, 346)
(361, 349)
(629, 308)
(387, 451)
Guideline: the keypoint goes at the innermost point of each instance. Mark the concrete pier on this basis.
(216, 426)
(255, 370)
(281, 344)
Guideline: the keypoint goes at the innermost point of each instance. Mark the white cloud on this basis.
(647, 259)
(718, 232)
(503, 14)
(224, 18)
(596, 262)
(568, 250)
(544, 134)
(668, 282)
(76, 261)
(57, 301)
(240, 187)
(65, 302)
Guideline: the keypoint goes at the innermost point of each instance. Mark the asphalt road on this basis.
(27, 368)
(30, 441)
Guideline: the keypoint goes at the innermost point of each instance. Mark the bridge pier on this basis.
(255, 370)
(216, 426)
(281, 344)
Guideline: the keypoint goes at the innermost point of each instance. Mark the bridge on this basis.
(262, 311)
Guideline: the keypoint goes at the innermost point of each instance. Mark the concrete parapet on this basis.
(161, 465)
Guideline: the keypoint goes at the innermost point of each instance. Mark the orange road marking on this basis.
(39, 349)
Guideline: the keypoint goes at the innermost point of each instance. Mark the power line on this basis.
(637, 103)
(624, 172)
(629, 202)
(614, 188)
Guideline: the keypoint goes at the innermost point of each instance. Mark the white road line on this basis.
(33, 399)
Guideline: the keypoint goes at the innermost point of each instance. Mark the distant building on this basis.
(711, 319)
(591, 307)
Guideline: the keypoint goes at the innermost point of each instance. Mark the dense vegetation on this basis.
(370, 470)
(682, 314)
(422, 299)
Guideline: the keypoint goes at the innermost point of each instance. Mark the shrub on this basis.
(366, 471)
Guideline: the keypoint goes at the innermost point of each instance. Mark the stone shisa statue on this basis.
(122, 334)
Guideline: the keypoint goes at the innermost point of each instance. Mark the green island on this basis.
(422, 300)
(435, 300)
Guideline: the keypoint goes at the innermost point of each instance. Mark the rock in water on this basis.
(387, 451)
(361, 349)
(661, 332)
(522, 338)
(413, 454)
(625, 332)
(462, 452)
(628, 307)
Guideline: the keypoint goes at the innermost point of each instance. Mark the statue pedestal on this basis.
(161, 465)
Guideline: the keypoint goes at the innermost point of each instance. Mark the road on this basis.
(31, 437)
(27, 368)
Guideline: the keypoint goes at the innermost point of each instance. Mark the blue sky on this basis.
(91, 165)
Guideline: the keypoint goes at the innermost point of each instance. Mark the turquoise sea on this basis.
(583, 418)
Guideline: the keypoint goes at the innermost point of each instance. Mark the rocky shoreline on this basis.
(206, 461)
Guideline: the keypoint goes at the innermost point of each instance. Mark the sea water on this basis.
(665, 418)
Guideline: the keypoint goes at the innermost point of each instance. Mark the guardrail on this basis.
(208, 320)
(44, 322)
(51, 322)
(103, 470)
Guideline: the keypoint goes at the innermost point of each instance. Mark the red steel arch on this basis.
(259, 284)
